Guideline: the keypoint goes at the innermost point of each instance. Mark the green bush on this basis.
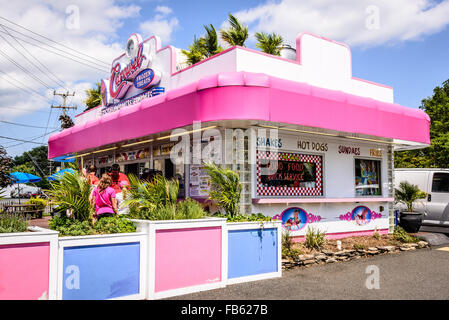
(12, 223)
(403, 236)
(70, 227)
(315, 239)
(38, 202)
(288, 251)
(107, 225)
(244, 217)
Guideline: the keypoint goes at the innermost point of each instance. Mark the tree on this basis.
(226, 188)
(93, 97)
(437, 155)
(203, 47)
(210, 43)
(196, 51)
(66, 122)
(237, 34)
(269, 43)
(36, 162)
(5, 168)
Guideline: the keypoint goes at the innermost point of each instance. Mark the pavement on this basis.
(422, 274)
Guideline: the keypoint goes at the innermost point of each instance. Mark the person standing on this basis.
(104, 199)
(118, 179)
(91, 175)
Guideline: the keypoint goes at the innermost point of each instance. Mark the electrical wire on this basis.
(63, 45)
(24, 125)
(55, 79)
(18, 65)
(62, 55)
(26, 89)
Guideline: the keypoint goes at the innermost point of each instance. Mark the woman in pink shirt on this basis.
(103, 198)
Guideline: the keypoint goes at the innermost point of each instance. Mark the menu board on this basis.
(199, 181)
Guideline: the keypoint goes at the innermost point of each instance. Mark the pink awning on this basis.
(247, 96)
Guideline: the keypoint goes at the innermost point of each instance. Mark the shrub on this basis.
(38, 202)
(315, 239)
(288, 250)
(70, 227)
(359, 246)
(12, 223)
(403, 236)
(109, 225)
(244, 217)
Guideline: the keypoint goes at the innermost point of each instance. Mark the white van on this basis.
(435, 182)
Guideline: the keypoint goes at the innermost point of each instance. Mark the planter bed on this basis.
(184, 256)
(254, 251)
(330, 253)
(100, 267)
(28, 263)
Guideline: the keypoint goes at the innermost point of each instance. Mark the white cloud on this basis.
(163, 24)
(355, 22)
(89, 27)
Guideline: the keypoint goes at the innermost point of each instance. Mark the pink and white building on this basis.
(331, 135)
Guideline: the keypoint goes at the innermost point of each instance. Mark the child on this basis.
(103, 198)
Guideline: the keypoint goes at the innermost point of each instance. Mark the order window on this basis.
(367, 177)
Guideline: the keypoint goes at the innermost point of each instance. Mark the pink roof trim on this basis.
(247, 96)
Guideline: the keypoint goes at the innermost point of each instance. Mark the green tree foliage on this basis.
(40, 166)
(408, 193)
(237, 34)
(71, 192)
(437, 155)
(93, 97)
(204, 47)
(269, 43)
(5, 168)
(225, 189)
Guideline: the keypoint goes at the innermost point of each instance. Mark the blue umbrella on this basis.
(59, 174)
(23, 177)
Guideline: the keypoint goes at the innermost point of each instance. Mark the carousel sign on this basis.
(135, 71)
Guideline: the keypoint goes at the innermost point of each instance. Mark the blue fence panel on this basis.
(101, 272)
(252, 252)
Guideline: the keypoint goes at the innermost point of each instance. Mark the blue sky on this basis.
(402, 43)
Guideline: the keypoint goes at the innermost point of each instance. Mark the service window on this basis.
(290, 175)
(440, 182)
(368, 177)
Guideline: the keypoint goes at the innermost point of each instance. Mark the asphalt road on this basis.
(414, 275)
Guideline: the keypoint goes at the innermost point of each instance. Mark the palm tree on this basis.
(196, 51)
(71, 192)
(237, 34)
(93, 97)
(269, 43)
(226, 188)
(210, 43)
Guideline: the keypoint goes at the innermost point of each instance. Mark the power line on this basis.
(26, 89)
(23, 69)
(24, 109)
(61, 55)
(24, 125)
(58, 81)
(63, 45)
(15, 139)
(31, 139)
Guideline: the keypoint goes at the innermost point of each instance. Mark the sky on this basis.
(402, 43)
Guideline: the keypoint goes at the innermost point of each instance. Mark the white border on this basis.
(152, 226)
(93, 240)
(38, 235)
(256, 226)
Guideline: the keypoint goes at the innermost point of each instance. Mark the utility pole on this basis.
(64, 107)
